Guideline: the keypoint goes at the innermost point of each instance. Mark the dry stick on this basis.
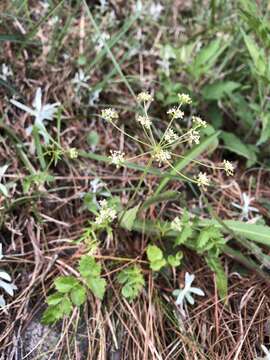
(249, 326)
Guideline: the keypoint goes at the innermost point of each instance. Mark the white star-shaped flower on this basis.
(186, 294)
(39, 112)
(80, 80)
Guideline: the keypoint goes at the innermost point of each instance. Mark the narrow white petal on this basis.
(23, 107)
(5, 276)
(37, 103)
(2, 301)
(9, 288)
(189, 279)
(197, 291)
(190, 299)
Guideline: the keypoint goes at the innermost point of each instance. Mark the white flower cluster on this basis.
(106, 214)
(170, 136)
(228, 167)
(193, 136)
(199, 122)
(175, 113)
(161, 155)
(184, 99)
(144, 97)
(202, 180)
(109, 114)
(144, 121)
(117, 158)
(73, 153)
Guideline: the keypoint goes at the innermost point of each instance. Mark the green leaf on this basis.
(65, 283)
(221, 278)
(55, 298)
(51, 315)
(66, 306)
(186, 231)
(219, 90)
(257, 54)
(165, 196)
(210, 239)
(88, 267)
(265, 132)
(254, 232)
(206, 58)
(78, 295)
(132, 280)
(93, 138)
(156, 258)
(129, 217)
(98, 286)
(234, 144)
(175, 260)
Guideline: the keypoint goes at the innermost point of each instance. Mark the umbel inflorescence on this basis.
(163, 149)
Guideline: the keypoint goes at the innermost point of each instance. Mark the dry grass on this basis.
(39, 229)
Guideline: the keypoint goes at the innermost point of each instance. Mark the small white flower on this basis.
(161, 156)
(80, 80)
(193, 136)
(144, 97)
(202, 180)
(73, 153)
(184, 99)
(176, 113)
(170, 136)
(245, 207)
(6, 72)
(109, 114)
(228, 167)
(155, 11)
(100, 40)
(199, 122)
(117, 158)
(176, 224)
(39, 111)
(144, 121)
(186, 294)
(106, 214)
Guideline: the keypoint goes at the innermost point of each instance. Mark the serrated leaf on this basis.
(78, 295)
(154, 253)
(156, 258)
(65, 306)
(129, 217)
(65, 283)
(98, 286)
(221, 278)
(132, 280)
(51, 315)
(89, 267)
(55, 299)
(175, 260)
